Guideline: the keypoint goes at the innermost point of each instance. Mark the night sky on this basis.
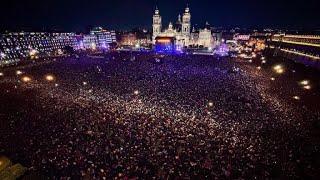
(77, 15)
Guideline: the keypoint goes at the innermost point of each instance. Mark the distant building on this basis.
(98, 38)
(304, 40)
(303, 48)
(241, 37)
(137, 38)
(143, 37)
(89, 41)
(128, 39)
(205, 38)
(104, 36)
(181, 32)
(194, 37)
(258, 41)
(17, 46)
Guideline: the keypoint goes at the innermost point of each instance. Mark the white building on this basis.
(98, 38)
(181, 32)
(205, 38)
(17, 46)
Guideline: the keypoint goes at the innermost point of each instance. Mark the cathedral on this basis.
(181, 31)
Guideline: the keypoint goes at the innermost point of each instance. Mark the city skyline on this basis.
(123, 14)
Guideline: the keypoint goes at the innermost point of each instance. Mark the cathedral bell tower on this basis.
(186, 22)
(156, 25)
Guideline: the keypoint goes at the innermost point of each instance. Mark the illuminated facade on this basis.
(89, 42)
(129, 39)
(98, 38)
(181, 31)
(241, 37)
(104, 36)
(157, 25)
(15, 47)
(205, 38)
(306, 40)
(303, 45)
(301, 48)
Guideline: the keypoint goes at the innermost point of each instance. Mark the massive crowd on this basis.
(145, 116)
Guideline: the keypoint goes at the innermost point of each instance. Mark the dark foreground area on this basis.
(191, 117)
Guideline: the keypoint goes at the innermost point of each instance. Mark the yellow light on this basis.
(93, 46)
(26, 79)
(296, 97)
(272, 79)
(304, 82)
(50, 77)
(301, 53)
(302, 43)
(18, 72)
(210, 104)
(308, 87)
(278, 69)
(33, 52)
